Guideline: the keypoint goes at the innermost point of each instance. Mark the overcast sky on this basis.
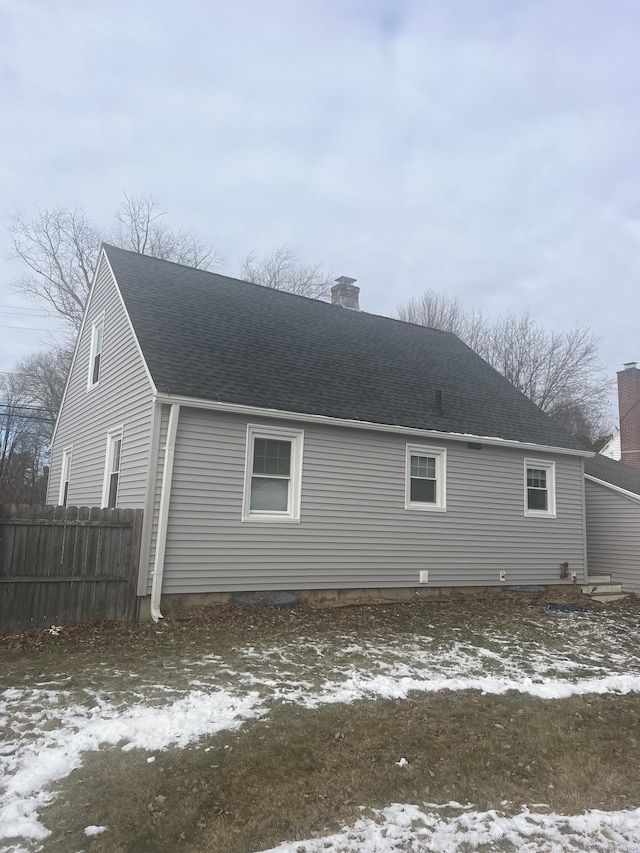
(483, 148)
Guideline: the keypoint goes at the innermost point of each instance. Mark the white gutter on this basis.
(261, 412)
(163, 515)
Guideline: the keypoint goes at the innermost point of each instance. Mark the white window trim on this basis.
(550, 468)
(440, 454)
(112, 436)
(99, 321)
(67, 458)
(296, 437)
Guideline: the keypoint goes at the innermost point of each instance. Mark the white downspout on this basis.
(163, 515)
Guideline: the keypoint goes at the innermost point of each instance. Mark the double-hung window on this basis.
(112, 469)
(65, 476)
(539, 488)
(273, 474)
(97, 332)
(425, 487)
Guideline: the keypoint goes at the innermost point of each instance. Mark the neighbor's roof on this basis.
(614, 472)
(212, 337)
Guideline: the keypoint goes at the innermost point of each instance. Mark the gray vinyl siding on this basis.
(354, 530)
(613, 535)
(123, 397)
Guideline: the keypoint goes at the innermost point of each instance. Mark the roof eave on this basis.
(326, 420)
(613, 487)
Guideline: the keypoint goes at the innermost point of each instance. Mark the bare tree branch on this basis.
(139, 229)
(60, 248)
(559, 371)
(281, 270)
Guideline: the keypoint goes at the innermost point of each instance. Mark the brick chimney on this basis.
(629, 406)
(345, 293)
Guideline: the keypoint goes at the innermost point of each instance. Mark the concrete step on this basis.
(601, 589)
(606, 598)
(596, 579)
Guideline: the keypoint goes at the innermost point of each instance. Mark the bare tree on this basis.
(60, 247)
(558, 371)
(139, 228)
(44, 375)
(439, 311)
(281, 270)
(24, 435)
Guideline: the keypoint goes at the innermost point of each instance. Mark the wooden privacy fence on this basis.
(62, 565)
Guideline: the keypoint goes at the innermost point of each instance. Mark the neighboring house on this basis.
(277, 442)
(613, 521)
(612, 448)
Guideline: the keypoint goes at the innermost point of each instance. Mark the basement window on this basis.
(425, 478)
(539, 488)
(273, 474)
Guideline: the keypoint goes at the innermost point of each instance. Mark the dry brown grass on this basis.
(303, 772)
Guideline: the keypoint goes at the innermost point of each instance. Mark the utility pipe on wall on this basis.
(163, 514)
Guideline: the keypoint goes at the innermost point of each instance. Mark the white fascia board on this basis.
(78, 338)
(325, 420)
(613, 488)
(132, 330)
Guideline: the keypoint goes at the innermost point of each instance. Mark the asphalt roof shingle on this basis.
(211, 337)
(614, 472)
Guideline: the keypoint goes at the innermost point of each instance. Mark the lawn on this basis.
(466, 725)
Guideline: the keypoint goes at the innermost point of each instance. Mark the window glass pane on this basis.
(96, 369)
(423, 491)
(269, 494)
(537, 499)
(271, 457)
(113, 490)
(115, 465)
(98, 340)
(537, 478)
(423, 466)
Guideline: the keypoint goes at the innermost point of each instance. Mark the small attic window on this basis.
(97, 331)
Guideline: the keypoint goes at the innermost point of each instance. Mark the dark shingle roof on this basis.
(208, 336)
(616, 473)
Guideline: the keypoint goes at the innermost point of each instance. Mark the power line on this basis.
(26, 329)
(33, 418)
(26, 308)
(27, 406)
(6, 313)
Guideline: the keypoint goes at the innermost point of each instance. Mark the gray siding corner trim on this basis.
(257, 411)
(147, 522)
(585, 572)
(163, 513)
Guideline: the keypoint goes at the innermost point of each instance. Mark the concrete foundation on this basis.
(186, 605)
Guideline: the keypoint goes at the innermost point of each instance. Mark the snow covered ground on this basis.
(453, 827)
(48, 724)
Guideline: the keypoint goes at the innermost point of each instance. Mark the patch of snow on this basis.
(447, 828)
(92, 830)
(53, 755)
